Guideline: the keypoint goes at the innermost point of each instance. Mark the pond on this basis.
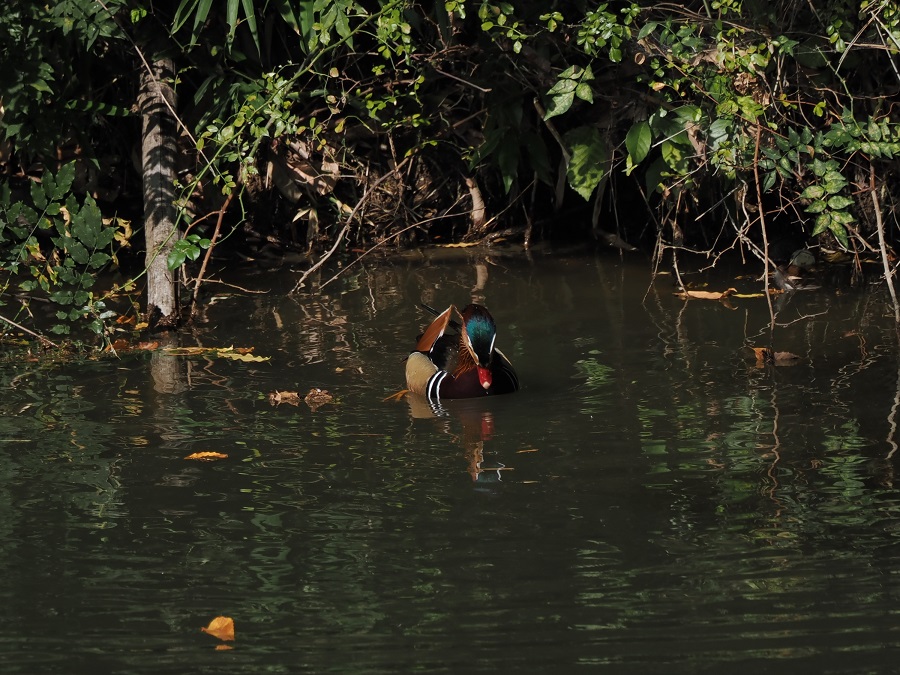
(652, 500)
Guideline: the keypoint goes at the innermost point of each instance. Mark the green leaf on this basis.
(813, 192)
(563, 86)
(507, 160)
(584, 92)
(834, 182)
(646, 29)
(839, 202)
(823, 222)
(38, 196)
(250, 14)
(589, 154)
(78, 253)
(175, 259)
(98, 260)
(769, 180)
(817, 206)
(842, 217)
(87, 225)
(840, 234)
(673, 157)
(638, 141)
(559, 105)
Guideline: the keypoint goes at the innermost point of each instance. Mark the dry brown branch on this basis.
(346, 228)
(879, 223)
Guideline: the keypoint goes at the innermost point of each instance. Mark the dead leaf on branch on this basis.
(206, 456)
(316, 398)
(221, 627)
(765, 356)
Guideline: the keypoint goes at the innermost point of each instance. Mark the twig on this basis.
(30, 332)
(386, 240)
(888, 277)
(209, 250)
(346, 227)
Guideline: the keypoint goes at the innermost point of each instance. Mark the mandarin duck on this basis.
(463, 364)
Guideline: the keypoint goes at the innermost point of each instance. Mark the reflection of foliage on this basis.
(596, 374)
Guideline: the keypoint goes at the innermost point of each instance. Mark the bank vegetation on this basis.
(145, 138)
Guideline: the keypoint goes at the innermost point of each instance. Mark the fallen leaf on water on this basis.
(241, 356)
(316, 398)
(461, 244)
(223, 648)
(765, 355)
(234, 353)
(221, 627)
(207, 456)
(289, 397)
(707, 295)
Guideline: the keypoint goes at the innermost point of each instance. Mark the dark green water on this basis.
(651, 501)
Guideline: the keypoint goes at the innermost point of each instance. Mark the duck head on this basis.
(478, 334)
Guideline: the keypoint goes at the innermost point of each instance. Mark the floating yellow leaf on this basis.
(706, 295)
(289, 397)
(234, 353)
(221, 627)
(241, 356)
(207, 456)
(316, 398)
(764, 356)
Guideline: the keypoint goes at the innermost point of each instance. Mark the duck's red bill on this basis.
(484, 376)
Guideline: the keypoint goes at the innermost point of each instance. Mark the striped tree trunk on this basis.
(158, 153)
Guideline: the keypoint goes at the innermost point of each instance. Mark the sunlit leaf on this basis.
(316, 398)
(764, 356)
(589, 156)
(813, 192)
(208, 456)
(289, 397)
(638, 141)
(706, 295)
(221, 627)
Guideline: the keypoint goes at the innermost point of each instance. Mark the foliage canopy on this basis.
(453, 119)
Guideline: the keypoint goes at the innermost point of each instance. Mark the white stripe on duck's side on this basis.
(433, 388)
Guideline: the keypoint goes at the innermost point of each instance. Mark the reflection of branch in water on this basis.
(776, 447)
(892, 417)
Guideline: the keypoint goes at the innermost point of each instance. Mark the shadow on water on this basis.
(652, 499)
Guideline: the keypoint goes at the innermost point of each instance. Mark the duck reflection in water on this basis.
(477, 428)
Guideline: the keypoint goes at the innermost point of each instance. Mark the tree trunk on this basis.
(158, 152)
